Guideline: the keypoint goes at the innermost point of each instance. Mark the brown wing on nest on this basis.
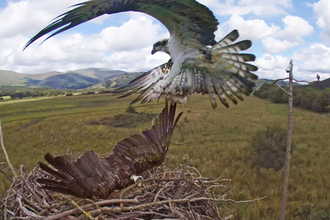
(91, 176)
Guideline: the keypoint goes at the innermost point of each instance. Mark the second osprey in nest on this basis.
(91, 176)
(198, 63)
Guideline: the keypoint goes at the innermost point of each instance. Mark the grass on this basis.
(5, 97)
(215, 141)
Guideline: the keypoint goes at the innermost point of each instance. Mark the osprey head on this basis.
(160, 46)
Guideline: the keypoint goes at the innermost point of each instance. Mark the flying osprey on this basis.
(195, 55)
(91, 176)
(195, 80)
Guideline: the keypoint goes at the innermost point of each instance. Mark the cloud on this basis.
(273, 38)
(307, 62)
(243, 7)
(272, 67)
(294, 28)
(255, 29)
(314, 59)
(29, 16)
(138, 32)
(274, 45)
(321, 9)
(137, 60)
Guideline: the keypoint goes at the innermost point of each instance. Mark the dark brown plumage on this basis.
(91, 176)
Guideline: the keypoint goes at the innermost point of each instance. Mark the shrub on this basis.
(269, 147)
(130, 109)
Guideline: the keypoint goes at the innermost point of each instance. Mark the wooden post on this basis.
(288, 146)
(5, 152)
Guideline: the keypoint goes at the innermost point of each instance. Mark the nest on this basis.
(181, 193)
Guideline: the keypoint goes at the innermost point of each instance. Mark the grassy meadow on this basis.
(216, 142)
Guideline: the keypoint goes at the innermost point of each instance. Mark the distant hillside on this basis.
(74, 79)
(69, 81)
(320, 84)
(121, 80)
(259, 82)
(11, 78)
(98, 73)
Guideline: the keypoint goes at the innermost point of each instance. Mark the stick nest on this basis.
(181, 193)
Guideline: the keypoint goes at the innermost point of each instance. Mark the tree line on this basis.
(304, 97)
(22, 92)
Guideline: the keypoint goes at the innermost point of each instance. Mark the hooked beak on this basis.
(153, 51)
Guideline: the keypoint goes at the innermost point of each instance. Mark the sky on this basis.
(280, 30)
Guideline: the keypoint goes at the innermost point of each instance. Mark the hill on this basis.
(121, 80)
(320, 84)
(73, 79)
(69, 81)
(98, 73)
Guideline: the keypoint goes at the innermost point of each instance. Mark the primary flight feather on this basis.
(195, 55)
(89, 176)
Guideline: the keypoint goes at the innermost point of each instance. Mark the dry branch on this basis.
(5, 151)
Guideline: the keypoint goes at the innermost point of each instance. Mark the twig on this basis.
(275, 81)
(146, 180)
(27, 212)
(104, 202)
(159, 203)
(6, 175)
(5, 151)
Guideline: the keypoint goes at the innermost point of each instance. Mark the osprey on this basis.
(195, 80)
(195, 55)
(89, 176)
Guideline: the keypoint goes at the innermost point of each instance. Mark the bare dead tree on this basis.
(289, 137)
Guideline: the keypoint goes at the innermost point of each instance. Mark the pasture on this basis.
(216, 142)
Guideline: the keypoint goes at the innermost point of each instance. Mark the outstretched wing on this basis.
(233, 79)
(86, 177)
(144, 151)
(91, 176)
(192, 22)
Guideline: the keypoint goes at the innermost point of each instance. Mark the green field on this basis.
(214, 141)
(6, 97)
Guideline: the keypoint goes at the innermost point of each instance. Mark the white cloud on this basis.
(291, 36)
(255, 29)
(138, 32)
(294, 28)
(322, 9)
(307, 63)
(272, 67)
(29, 16)
(243, 7)
(274, 45)
(273, 38)
(136, 60)
(314, 58)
